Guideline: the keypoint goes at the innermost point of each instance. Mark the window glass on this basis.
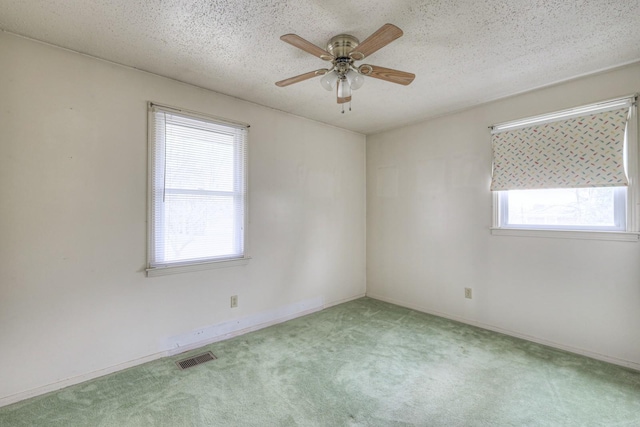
(566, 208)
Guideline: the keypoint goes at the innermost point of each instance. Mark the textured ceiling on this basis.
(462, 52)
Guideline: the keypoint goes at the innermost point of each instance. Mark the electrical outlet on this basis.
(234, 301)
(467, 293)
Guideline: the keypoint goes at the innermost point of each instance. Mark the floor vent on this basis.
(196, 360)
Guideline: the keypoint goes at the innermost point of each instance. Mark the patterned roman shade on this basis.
(584, 151)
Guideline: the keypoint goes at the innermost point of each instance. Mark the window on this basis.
(198, 187)
(570, 171)
(596, 209)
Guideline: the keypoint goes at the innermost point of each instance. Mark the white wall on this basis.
(74, 298)
(428, 219)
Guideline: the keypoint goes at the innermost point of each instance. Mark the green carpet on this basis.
(363, 363)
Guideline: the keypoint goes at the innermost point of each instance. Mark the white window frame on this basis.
(194, 265)
(627, 200)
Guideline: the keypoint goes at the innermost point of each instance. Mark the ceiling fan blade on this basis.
(385, 35)
(344, 100)
(387, 74)
(301, 77)
(308, 47)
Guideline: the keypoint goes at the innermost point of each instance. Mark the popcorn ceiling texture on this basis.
(463, 53)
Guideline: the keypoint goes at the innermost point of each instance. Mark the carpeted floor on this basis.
(363, 363)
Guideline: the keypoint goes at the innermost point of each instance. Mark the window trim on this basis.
(193, 265)
(619, 236)
(200, 266)
(632, 232)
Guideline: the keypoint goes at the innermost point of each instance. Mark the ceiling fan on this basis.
(342, 51)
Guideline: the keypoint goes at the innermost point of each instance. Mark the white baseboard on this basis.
(232, 328)
(189, 341)
(570, 349)
(343, 300)
(17, 397)
(223, 331)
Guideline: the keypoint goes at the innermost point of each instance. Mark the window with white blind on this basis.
(572, 171)
(198, 191)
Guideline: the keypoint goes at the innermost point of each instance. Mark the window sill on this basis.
(176, 269)
(620, 236)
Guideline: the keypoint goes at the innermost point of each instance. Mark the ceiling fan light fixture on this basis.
(329, 80)
(355, 80)
(344, 90)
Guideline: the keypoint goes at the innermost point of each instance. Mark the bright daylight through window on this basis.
(574, 170)
(197, 190)
(598, 208)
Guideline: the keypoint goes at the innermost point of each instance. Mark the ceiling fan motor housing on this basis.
(340, 45)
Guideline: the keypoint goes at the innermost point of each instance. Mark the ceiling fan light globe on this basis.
(355, 80)
(329, 80)
(344, 90)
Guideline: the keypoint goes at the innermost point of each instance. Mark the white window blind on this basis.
(198, 189)
(577, 148)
